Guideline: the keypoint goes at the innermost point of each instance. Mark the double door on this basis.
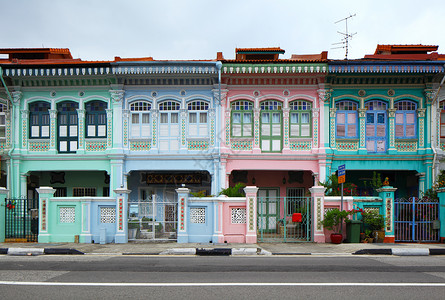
(376, 131)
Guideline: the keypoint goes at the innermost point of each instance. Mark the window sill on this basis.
(347, 140)
(198, 138)
(242, 138)
(405, 140)
(301, 139)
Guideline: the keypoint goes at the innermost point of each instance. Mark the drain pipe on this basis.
(438, 133)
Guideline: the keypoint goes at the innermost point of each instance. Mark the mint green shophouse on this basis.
(60, 151)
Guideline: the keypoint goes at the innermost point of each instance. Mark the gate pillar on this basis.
(183, 197)
(3, 193)
(317, 193)
(122, 215)
(441, 194)
(387, 194)
(45, 195)
(251, 213)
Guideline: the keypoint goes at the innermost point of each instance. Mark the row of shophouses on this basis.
(95, 147)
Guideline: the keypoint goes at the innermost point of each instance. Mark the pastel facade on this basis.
(140, 149)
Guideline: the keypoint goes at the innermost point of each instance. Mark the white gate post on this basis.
(122, 215)
(183, 196)
(251, 211)
(317, 193)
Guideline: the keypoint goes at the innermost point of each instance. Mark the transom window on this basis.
(3, 109)
(405, 119)
(375, 105)
(169, 105)
(271, 105)
(346, 119)
(242, 112)
(300, 118)
(442, 119)
(197, 111)
(140, 119)
(96, 118)
(39, 119)
(67, 120)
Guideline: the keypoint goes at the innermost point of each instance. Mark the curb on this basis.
(402, 251)
(39, 251)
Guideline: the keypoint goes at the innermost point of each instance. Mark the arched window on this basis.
(442, 119)
(67, 126)
(197, 111)
(96, 118)
(271, 124)
(346, 119)
(300, 119)
(376, 126)
(242, 118)
(169, 125)
(39, 119)
(140, 119)
(3, 109)
(405, 119)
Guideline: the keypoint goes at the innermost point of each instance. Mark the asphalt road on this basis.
(287, 277)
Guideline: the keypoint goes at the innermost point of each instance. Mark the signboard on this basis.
(341, 174)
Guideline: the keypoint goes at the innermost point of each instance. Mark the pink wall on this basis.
(233, 233)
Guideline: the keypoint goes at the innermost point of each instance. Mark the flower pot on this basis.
(336, 238)
(379, 236)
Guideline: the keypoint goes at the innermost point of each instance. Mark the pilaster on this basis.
(251, 211)
(122, 215)
(387, 194)
(317, 193)
(183, 196)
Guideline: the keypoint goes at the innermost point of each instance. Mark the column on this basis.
(317, 193)
(362, 132)
(387, 194)
(45, 195)
(421, 184)
(391, 124)
(251, 214)
(183, 196)
(183, 123)
(121, 215)
(52, 139)
(117, 96)
(81, 131)
(3, 194)
(441, 194)
(286, 125)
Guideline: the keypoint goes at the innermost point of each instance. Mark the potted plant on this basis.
(332, 221)
(375, 222)
(235, 191)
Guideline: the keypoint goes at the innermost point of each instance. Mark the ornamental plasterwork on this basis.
(332, 112)
(315, 112)
(324, 95)
(391, 112)
(421, 112)
(430, 94)
(117, 95)
(17, 96)
(362, 112)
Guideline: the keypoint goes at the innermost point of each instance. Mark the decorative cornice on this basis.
(141, 70)
(385, 68)
(56, 71)
(274, 68)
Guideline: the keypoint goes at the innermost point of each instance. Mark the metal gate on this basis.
(275, 219)
(21, 220)
(150, 219)
(416, 220)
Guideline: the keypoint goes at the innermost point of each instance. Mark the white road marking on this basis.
(216, 284)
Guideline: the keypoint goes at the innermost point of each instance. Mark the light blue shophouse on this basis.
(170, 126)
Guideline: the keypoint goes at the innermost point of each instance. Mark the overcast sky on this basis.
(198, 29)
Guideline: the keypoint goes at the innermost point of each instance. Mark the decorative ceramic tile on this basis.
(301, 146)
(241, 145)
(197, 145)
(95, 146)
(406, 146)
(347, 145)
(39, 146)
(140, 145)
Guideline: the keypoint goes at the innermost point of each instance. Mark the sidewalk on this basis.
(173, 248)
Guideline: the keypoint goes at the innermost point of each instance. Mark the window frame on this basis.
(442, 113)
(303, 106)
(43, 119)
(3, 111)
(140, 108)
(405, 113)
(96, 115)
(346, 112)
(198, 108)
(239, 107)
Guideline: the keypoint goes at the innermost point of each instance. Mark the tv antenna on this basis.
(346, 36)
